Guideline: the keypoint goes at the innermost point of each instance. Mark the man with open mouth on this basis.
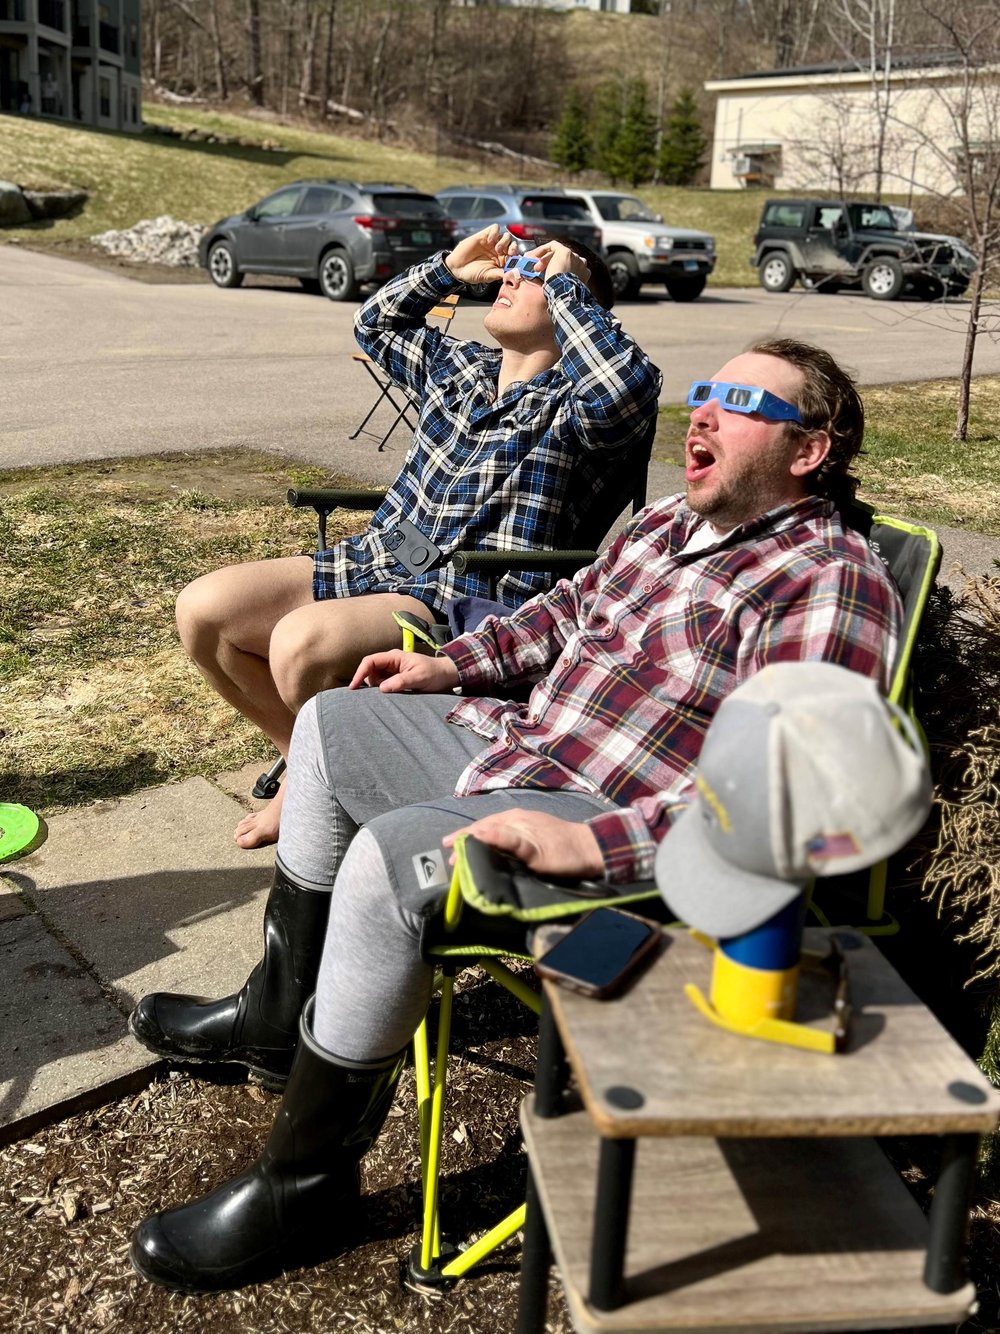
(631, 659)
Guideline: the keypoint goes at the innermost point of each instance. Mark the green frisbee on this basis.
(19, 829)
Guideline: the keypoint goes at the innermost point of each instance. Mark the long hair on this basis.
(829, 401)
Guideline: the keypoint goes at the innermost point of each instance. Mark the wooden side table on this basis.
(713, 1182)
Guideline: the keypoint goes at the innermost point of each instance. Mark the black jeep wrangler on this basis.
(830, 244)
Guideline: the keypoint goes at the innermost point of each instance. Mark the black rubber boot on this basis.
(259, 1026)
(297, 1204)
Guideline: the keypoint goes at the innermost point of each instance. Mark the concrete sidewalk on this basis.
(144, 894)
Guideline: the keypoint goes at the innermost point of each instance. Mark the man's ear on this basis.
(811, 450)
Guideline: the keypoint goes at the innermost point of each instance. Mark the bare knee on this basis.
(303, 661)
(201, 614)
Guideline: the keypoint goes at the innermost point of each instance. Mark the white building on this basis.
(816, 128)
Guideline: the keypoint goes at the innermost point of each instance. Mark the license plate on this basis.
(691, 265)
(421, 238)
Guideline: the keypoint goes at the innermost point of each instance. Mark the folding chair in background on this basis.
(510, 899)
(387, 390)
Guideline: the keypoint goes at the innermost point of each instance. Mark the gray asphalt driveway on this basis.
(94, 365)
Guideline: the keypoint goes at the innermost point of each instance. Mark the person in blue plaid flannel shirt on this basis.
(631, 659)
(515, 446)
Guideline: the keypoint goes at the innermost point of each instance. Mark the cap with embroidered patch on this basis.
(805, 771)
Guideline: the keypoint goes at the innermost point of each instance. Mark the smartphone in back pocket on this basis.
(602, 954)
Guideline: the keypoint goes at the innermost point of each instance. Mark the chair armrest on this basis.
(331, 498)
(325, 499)
(496, 562)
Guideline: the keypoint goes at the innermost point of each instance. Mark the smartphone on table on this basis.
(602, 954)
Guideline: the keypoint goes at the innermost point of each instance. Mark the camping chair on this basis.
(515, 901)
(629, 495)
(445, 312)
(912, 555)
(508, 896)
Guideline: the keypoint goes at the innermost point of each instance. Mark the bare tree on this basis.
(839, 153)
(962, 166)
(866, 32)
(787, 25)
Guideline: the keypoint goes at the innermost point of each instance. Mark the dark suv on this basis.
(832, 244)
(332, 235)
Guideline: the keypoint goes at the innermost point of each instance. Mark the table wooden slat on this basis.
(740, 1237)
(903, 1073)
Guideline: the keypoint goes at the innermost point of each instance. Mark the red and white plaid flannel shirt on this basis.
(638, 651)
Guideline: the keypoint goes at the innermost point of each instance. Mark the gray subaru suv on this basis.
(331, 235)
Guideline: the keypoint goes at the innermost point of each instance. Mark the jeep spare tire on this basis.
(884, 279)
(776, 273)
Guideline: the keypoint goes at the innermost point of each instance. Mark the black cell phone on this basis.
(602, 954)
(408, 545)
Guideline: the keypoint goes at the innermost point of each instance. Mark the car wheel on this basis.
(686, 289)
(884, 279)
(222, 265)
(776, 273)
(624, 275)
(336, 276)
(311, 285)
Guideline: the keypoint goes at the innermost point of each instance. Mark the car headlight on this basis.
(658, 242)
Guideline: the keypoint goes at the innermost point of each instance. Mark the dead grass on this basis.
(98, 697)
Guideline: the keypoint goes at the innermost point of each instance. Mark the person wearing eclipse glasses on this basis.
(515, 446)
(632, 659)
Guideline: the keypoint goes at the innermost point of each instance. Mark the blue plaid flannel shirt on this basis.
(524, 470)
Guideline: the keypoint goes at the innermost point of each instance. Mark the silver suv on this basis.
(332, 235)
(641, 248)
(531, 213)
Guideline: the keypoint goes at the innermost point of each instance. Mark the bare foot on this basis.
(261, 828)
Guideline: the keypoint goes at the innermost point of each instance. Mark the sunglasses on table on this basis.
(527, 266)
(743, 398)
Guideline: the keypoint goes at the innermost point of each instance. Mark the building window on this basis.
(104, 96)
(757, 164)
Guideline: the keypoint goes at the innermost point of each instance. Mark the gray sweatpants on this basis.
(390, 763)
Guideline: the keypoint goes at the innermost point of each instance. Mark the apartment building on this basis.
(72, 60)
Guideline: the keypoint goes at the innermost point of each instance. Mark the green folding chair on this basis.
(912, 555)
(516, 901)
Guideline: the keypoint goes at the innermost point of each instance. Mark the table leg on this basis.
(614, 1196)
(944, 1270)
(551, 1072)
(536, 1256)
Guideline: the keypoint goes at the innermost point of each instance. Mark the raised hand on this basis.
(480, 258)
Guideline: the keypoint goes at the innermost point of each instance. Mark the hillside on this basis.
(131, 177)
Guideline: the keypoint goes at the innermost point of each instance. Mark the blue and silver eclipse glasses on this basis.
(527, 265)
(744, 398)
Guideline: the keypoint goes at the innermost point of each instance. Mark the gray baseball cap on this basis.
(805, 771)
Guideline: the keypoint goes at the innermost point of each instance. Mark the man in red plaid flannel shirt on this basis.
(631, 659)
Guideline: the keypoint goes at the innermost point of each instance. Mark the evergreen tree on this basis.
(682, 152)
(605, 126)
(635, 147)
(571, 146)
